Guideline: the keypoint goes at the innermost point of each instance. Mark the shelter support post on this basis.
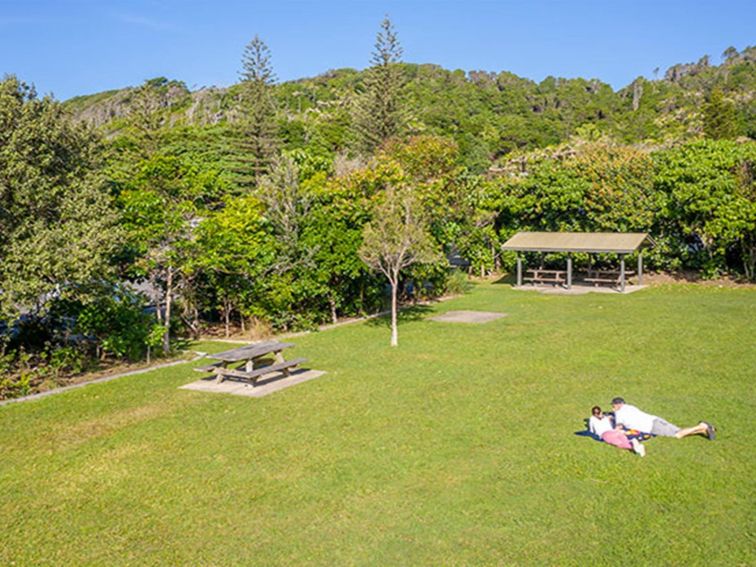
(519, 270)
(569, 271)
(640, 267)
(622, 272)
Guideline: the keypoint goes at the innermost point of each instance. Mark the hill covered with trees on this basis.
(489, 115)
(133, 217)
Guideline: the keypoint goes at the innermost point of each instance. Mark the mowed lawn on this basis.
(456, 448)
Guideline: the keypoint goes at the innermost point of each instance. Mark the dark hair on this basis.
(595, 410)
(618, 401)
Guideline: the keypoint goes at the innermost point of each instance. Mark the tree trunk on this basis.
(394, 327)
(227, 316)
(749, 259)
(334, 315)
(168, 301)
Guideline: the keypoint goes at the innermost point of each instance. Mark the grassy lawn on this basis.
(456, 448)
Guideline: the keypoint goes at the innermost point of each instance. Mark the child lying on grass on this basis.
(602, 426)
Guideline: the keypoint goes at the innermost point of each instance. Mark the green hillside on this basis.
(488, 114)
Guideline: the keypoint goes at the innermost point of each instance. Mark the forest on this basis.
(133, 219)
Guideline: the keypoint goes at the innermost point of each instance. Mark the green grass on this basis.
(456, 448)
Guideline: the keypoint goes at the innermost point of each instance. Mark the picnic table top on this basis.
(250, 351)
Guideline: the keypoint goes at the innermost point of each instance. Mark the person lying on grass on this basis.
(632, 418)
(601, 425)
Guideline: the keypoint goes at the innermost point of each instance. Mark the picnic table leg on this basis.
(280, 359)
(250, 366)
(219, 377)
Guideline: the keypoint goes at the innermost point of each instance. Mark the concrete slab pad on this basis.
(265, 385)
(578, 289)
(468, 316)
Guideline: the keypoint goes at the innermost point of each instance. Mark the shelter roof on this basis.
(594, 242)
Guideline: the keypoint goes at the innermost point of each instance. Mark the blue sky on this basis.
(70, 47)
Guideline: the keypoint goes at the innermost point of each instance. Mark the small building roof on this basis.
(593, 242)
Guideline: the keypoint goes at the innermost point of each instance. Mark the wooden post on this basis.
(219, 377)
(640, 267)
(519, 270)
(569, 271)
(622, 272)
(280, 359)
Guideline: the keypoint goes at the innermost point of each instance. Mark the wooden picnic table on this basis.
(609, 276)
(539, 275)
(250, 358)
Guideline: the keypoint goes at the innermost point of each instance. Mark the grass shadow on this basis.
(506, 279)
(406, 315)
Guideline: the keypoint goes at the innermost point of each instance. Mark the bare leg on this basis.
(699, 429)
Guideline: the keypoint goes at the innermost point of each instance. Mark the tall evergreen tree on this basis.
(258, 135)
(379, 113)
(720, 117)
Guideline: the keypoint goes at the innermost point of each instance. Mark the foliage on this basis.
(248, 205)
(712, 199)
(119, 324)
(720, 118)
(57, 228)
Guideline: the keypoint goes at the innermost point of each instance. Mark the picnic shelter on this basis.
(620, 243)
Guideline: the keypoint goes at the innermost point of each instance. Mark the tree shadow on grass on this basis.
(405, 315)
(507, 279)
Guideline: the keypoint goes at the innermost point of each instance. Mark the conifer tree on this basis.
(720, 117)
(379, 113)
(258, 136)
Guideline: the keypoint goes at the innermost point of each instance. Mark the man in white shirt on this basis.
(633, 418)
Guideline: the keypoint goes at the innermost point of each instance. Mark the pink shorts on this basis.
(617, 438)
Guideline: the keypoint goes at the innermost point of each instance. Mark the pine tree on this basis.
(258, 132)
(379, 113)
(720, 117)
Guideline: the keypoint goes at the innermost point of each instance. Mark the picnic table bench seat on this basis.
(607, 276)
(252, 375)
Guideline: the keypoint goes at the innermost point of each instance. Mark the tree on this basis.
(379, 114)
(720, 117)
(161, 204)
(57, 223)
(258, 135)
(710, 188)
(234, 251)
(395, 239)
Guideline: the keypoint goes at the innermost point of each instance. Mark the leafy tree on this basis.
(57, 223)
(720, 117)
(379, 115)
(234, 251)
(258, 136)
(395, 239)
(711, 196)
(160, 208)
